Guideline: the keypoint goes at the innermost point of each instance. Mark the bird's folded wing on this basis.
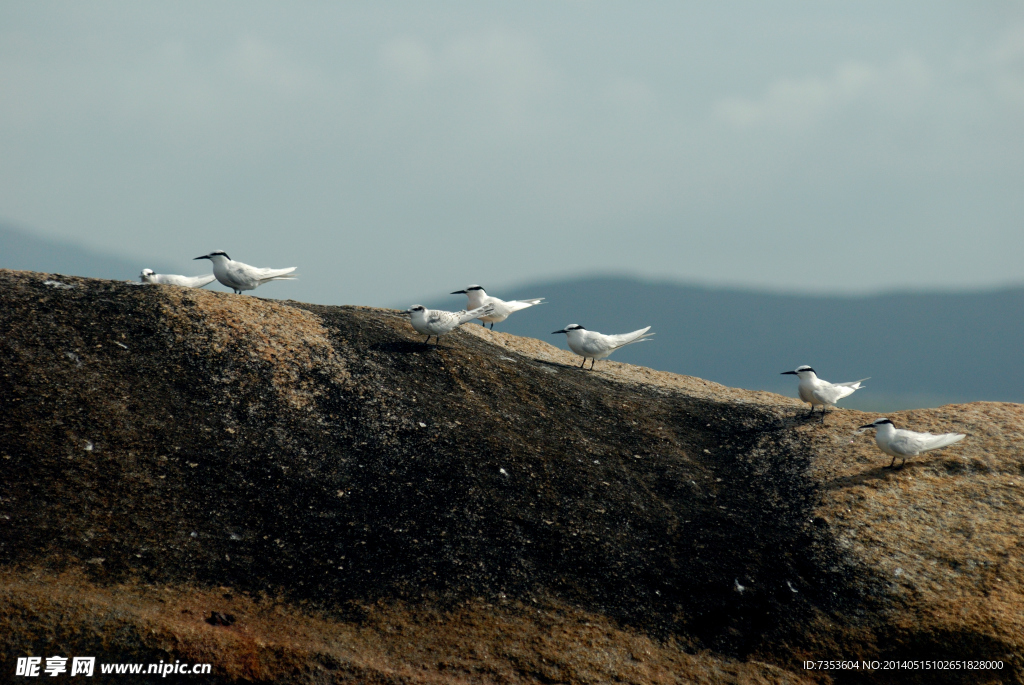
(241, 275)
(439, 318)
(184, 281)
(911, 443)
(832, 393)
(908, 443)
(596, 344)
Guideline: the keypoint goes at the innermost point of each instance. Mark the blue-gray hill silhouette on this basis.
(919, 348)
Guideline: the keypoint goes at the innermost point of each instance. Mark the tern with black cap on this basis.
(818, 392)
(149, 276)
(478, 297)
(899, 442)
(437, 322)
(239, 276)
(593, 345)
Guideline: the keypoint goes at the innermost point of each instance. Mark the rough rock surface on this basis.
(367, 508)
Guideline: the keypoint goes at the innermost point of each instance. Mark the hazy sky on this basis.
(398, 151)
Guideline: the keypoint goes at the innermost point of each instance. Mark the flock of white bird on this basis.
(895, 442)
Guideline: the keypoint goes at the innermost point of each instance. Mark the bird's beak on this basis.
(459, 292)
(870, 425)
(786, 373)
(561, 331)
(205, 256)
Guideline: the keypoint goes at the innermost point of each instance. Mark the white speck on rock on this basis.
(422, 425)
(503, 472)
(58, 285)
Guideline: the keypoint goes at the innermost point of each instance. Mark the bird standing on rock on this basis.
(818, 392)
(239, 276)
(148, 276)
(593, 345)
(899, 442)
(436, 322)
(478, 297)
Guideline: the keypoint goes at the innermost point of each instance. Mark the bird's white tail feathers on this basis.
(465, 316)
(267, 275)
(935, 442)
(624, 339)
(516, 305)
(856, 385)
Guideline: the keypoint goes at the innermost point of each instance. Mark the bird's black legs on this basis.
(823, 410)
(492, 326)
(584, 362)
(592, 362)
(902, 464)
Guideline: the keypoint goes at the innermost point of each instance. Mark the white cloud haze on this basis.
(401, 151)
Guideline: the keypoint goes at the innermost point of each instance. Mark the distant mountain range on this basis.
(26, 251)
(920, 349)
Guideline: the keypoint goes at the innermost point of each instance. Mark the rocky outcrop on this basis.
(367, 508)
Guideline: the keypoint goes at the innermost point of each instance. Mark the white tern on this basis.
(899, 442)
(436, 322)
(147, 276)
(818, 392)
(593, 345)
(239, 276)
(478, 297)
